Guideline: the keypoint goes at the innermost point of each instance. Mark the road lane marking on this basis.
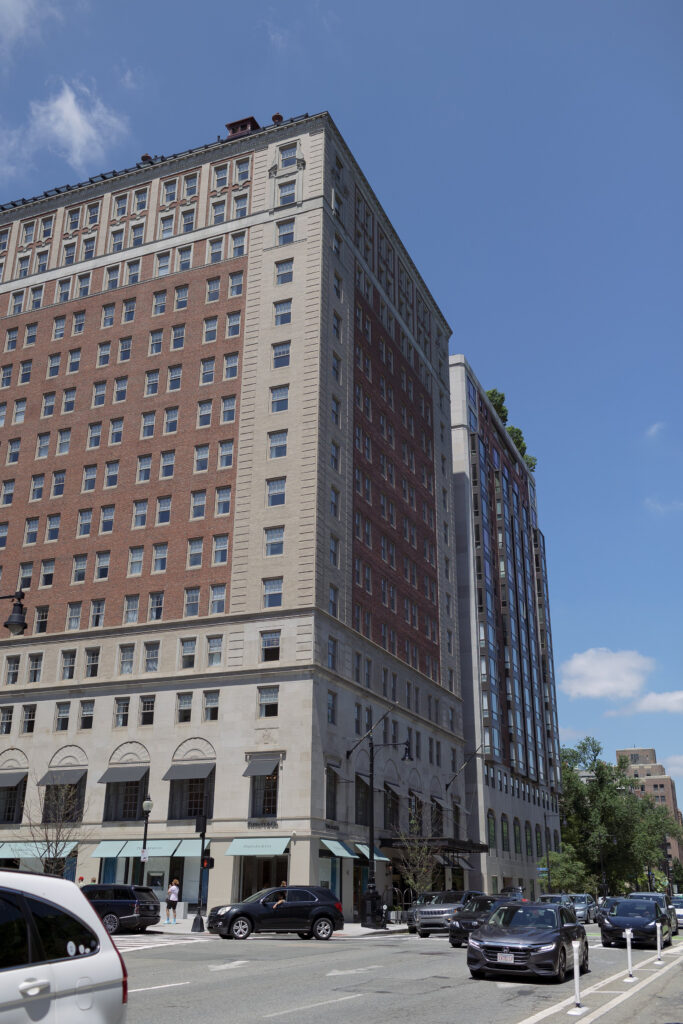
(153, 988)
(312, 1006)
(354, 970)
(595, 989)
(624, 995)
(228, 966)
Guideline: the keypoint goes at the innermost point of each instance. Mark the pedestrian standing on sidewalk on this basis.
(172, 900)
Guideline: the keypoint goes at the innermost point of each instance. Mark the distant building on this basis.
(653, 781)
(506, 655)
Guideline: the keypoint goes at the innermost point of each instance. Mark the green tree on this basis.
(497, 400)
(567, 872)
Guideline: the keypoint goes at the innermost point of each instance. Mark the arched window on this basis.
(517, 829)
(539, 842)
(504, 833)
(491, 819)
(528, 839)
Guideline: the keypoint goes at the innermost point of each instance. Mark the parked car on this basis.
(677, 904)
(641, 916)
(607, 903)
(664, 902)
(424, 898)
(558, 898)
(512, 890)
(435, 917)
(585, 907)
(309, 911)
(130, 908)
(57, 961)
(473, 914)
(527, 938)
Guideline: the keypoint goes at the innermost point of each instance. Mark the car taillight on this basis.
(338, 907)
(124, 979)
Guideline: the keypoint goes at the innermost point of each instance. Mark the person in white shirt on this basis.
(172, 900)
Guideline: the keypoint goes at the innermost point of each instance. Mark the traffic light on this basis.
(207, 862)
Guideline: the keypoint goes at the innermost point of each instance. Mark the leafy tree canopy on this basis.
(497, 400)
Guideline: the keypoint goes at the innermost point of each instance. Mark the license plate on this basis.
(506, 958)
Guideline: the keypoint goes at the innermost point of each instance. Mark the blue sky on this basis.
(530, 155)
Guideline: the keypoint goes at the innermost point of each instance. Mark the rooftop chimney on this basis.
(277, 118)
(243, 127)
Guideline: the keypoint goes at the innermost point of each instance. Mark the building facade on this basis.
(513, 773)
(653, 781)
(226, 497)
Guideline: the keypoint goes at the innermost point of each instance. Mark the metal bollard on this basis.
(659, 943)
(628, 935)
(576, 946)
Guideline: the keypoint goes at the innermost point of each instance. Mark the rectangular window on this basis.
(274, 540)
(210, 713)
(279, 398)
(220, 549)
(268, 697)
(184, 705)
(214, 651)
(277, 444)
(92, 662)
(272, 592)
(284, 272)
(188, 650)
(283, 312)
(197, 504)
(121, 710)
(287, 193)
(68, 670)
(225, 454)
(210, 329)
(238, 244)
(275, 491)
(147, 710)
(223, 499)
(151, 656)
(217, 599)
(281, 354)
(285, 232)
(191, 601)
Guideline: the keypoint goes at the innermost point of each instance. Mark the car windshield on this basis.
(478, 905)
(654, 897)
(580, 899)
(142, 890)
(633, 908)
(523, 918)
(256, 896)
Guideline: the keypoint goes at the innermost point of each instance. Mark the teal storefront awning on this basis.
(35, 851)
(365, 850)
(155, 848)
(192, 847)
(258, 846)
(108, 848)
(338, 849)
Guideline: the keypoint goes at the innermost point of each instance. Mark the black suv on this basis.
(124, 907)
(310, 911)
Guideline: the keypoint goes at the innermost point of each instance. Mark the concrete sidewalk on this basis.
(351, 930)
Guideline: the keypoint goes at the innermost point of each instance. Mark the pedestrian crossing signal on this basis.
(207, 862)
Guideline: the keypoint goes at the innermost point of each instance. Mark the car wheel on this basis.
(561, 967)
(583, 967)
(606, 942)
(240, 928)
(411, 930)
(111, 923)
(305, 935)
(476, 974)
(323, 928)
(456, 945)
(423, 935)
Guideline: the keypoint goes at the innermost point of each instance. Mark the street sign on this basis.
(144, 856)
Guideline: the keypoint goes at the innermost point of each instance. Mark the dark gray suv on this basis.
(434, 918)
(309, 911)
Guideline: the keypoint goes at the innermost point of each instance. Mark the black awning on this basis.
(62, 776)
(124, 773)
(8, 780)
(189, 770)
(261, 765)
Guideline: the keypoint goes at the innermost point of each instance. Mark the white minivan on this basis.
(57, 962)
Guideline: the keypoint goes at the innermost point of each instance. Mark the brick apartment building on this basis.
(505, 644)
(653, 781)
(226, 493)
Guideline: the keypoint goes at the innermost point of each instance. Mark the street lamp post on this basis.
(370, 908)
(16, 623)
(147, 806)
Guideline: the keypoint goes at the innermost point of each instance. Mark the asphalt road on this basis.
(183, 980)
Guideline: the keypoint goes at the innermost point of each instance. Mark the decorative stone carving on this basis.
(12, 757)
(130, 753)
(69, 757)
(195, 749)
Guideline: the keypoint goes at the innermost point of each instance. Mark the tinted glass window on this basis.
(300, 896)
(143, 893)
(14, 931)
(98, 892)
(62, 935)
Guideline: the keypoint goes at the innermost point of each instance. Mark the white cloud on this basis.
(653, 430)
(569, 735)
(674, 765)
(670, 701)
(74, 123)
(663, 508)
(600, 672)
(23, 19)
